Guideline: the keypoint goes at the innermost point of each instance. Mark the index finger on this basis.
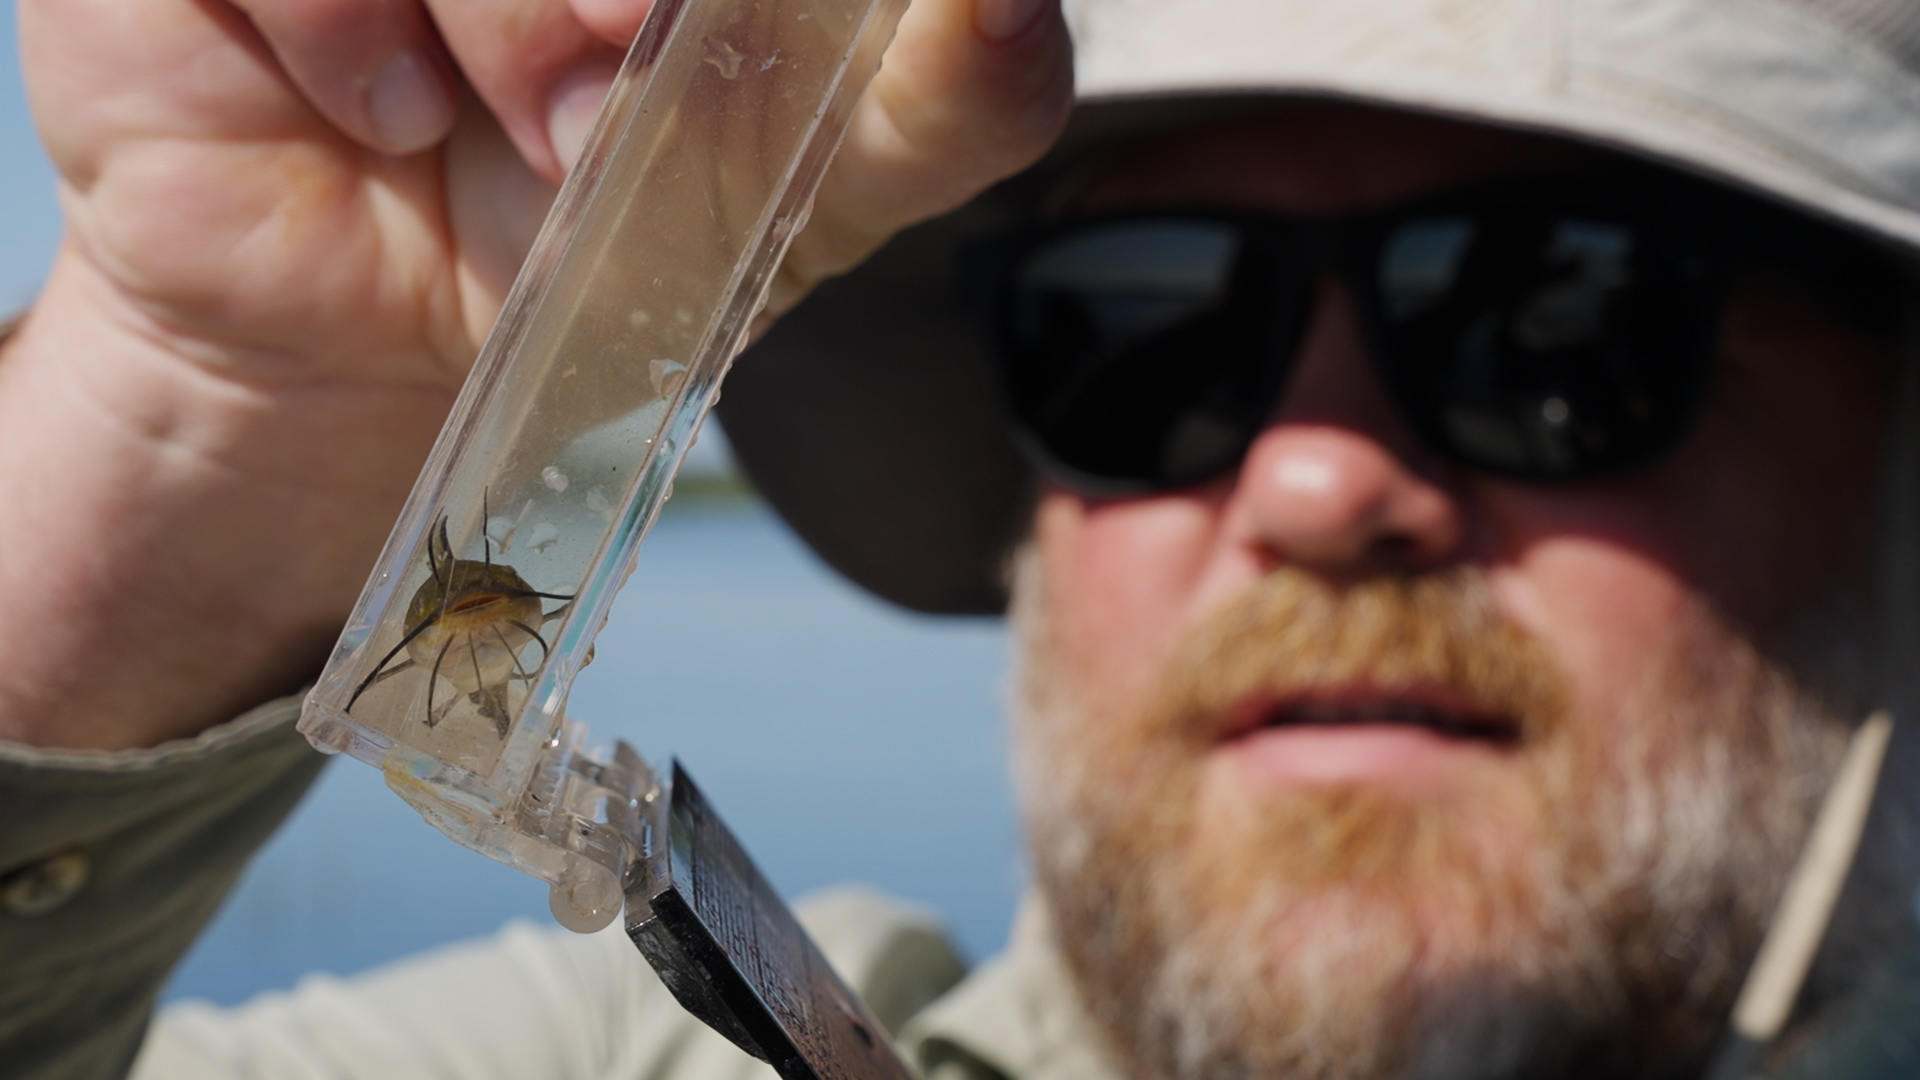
(375, 68)
(541, 71)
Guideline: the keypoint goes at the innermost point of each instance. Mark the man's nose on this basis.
(1337, 483)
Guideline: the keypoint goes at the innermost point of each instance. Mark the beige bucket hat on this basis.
(869, 417)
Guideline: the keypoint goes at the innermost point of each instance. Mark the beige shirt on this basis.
(539, 1002)
(159, 836)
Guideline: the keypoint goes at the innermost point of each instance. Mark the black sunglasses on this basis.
(1547, 329)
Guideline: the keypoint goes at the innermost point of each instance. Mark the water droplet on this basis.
(500, 531)
(598, 503)
(666, 376)
(553, 478)
(724, 57)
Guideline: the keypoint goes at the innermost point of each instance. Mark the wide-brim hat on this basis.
(869, 418)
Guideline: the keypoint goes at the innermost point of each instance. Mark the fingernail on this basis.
(410, 107)
(573, 108)
(1003, 20)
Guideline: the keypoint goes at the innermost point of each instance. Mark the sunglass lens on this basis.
(1133, 360)
(1543, 345)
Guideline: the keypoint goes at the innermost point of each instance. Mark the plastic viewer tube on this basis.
(454, 666)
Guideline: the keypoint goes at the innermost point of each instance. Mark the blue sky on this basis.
(30, 220)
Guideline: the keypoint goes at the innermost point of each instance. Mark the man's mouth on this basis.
(1445, 718)
(1365, 735)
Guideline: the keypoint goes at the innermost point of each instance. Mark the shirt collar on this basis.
(1018, 1016)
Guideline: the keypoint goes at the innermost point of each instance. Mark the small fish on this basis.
(468, 623)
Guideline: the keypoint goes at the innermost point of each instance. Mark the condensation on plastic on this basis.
(453, 670)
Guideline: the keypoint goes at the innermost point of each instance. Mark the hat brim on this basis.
(869, 418)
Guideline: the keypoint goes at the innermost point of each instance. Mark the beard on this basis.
(1590, 918)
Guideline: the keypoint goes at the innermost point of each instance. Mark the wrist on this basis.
(189, 542)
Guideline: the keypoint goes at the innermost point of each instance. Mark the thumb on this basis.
(969, 93)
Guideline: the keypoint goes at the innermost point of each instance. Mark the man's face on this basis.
(1357, 762)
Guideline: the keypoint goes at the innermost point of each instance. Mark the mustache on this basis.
(1293, 635)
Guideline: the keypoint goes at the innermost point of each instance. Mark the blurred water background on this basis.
(844, 741)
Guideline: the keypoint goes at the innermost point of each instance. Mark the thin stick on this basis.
(391, 653)
(1807, 904)
(509, 591)
(536, 637)
(513, 654)
(446, 546)
(434, 678)
(473, 654)
(433, 564)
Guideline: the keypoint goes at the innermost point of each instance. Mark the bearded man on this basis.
(1449, 462)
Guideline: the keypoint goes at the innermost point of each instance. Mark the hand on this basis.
(289, 225)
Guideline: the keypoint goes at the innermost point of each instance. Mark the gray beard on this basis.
(1613, 948)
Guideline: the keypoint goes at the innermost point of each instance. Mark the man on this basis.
(1454, 574)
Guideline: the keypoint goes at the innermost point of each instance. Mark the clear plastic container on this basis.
(452, 673)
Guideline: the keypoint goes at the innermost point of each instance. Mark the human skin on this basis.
(1756, 519)
(275, 275)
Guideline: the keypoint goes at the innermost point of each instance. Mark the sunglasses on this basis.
(1550, 329)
